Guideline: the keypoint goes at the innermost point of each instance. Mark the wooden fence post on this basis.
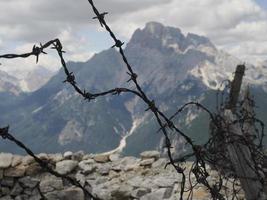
(239, 153)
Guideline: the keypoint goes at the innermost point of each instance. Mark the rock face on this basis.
(124, 178)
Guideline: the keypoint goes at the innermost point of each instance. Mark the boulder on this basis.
(139, 192)
(5, 160)
(16, 160)
(67, 155)
(71, 194)
(66, 166)
(87, 166)
(17, 189)
(78, 156)
(33, 169)
(50, 183)
(122, 193)
(159, 194)
(1, 174)
(114, 157)
(150, 154)
(101, 158)
(29, 182)
(55, 157)
(18, 171)
(27, 160)
(147, 162)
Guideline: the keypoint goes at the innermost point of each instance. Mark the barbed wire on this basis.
(209, 153)
(4, 133)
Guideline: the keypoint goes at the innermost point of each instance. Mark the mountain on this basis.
(173, 69)
(35, 79)
(9, 84)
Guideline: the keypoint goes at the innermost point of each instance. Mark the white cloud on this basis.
(238, 27)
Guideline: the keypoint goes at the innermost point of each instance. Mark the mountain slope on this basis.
(172, 68)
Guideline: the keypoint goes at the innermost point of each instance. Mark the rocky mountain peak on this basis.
(156, 35)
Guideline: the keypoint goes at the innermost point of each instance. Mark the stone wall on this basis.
(110, 177)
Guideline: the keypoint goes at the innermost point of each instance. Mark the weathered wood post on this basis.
(239, 153)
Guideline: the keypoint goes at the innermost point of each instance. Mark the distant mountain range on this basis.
(31, 81)
(172, 68)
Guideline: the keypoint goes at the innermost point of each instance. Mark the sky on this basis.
(238, 27)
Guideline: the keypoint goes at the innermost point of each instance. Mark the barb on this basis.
(213, 152)
(4, 133)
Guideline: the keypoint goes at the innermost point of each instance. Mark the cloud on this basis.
(230, 24)
(238, 27)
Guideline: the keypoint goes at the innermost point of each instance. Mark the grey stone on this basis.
(5, 160)
(16, 190)
(67, 155)
(7, 181)
(50, 183)
(35, 195)
(55, 157)
(18, 171)
(87, 166)
(5, 190)
(122, 193)
(66, 166)
(162, 193)
(16, 160)
(139, 192)
(43, 156)
(29, 182)
(160, 163)
(78, 156)
(147, 162)
(33, 169)
(6, 198)
(26, 160)
(72, 193)
(150, 154)
(101, 158)
(114, 157)
(165, 181)
(103, 170)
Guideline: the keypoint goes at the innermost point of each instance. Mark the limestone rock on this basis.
(28, 182)
(122, 193)
(6, 198)
(160, 194)
(87, 166)
(147, 162)
(33, 169)
(18, 171)
(7, 181)
(72, 193)
(66, 166)
(50, 183)
(55, 157)
(5, 160)
(1, 174)
(68, 155)
(27, 160)
(17, 189)
(16, 160)
(101, 158)
(78, 156)
(139, 192)
(150, 154)
(114, 157)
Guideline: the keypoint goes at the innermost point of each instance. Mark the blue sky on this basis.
(262, 3)
(238, 27)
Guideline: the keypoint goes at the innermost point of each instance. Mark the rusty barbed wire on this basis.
(4, 133)
(209, 153)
